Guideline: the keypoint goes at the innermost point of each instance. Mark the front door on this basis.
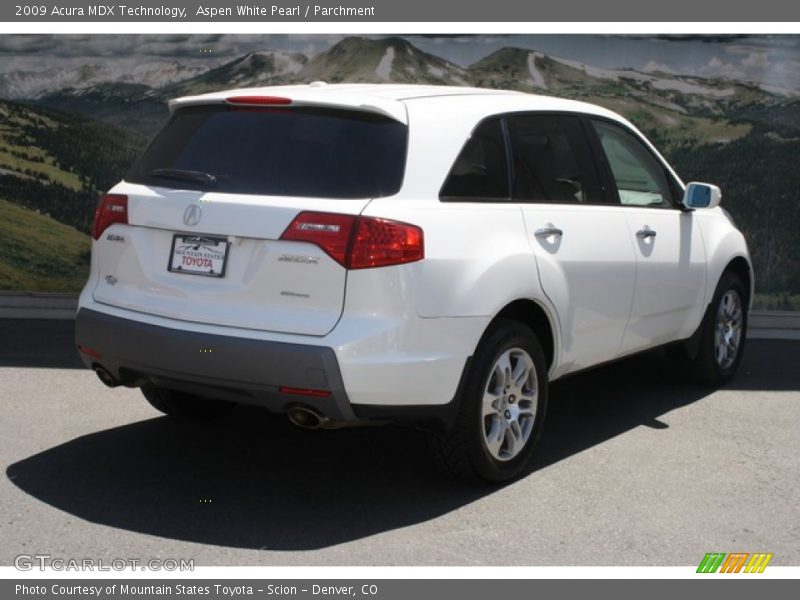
(668, 245)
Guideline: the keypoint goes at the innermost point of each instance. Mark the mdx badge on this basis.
(309, 260)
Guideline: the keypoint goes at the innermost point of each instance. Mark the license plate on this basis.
(198, 255)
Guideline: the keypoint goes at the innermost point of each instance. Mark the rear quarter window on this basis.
(480, 173)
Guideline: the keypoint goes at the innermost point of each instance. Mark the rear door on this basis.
(583, 251)
(211, 197)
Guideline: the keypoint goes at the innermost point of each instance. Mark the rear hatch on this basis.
(209, 200)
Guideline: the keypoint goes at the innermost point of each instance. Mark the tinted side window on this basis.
(552, 162)
(640, 178)
(480, 172)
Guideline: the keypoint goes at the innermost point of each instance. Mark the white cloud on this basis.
(757, 60)
(655, 66)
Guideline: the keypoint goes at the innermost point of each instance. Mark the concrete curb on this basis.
(764, 325)
(774, 325)
(26, 305)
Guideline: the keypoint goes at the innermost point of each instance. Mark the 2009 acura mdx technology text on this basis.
(360, 253)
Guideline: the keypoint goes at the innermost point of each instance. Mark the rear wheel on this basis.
(722, 334)
(502, 408)
(185, 406)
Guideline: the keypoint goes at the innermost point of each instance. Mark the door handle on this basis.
(645, 233)
(548, 230)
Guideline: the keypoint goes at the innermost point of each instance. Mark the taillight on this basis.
(329, 231)
(112, 208)
(358, 242)
(381, 243)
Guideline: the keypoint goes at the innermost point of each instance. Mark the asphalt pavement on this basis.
(636, 467)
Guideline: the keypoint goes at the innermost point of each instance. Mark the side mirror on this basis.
(701, 195)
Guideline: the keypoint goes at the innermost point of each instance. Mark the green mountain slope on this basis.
(59, 163)
(37, 253)
(135, 107)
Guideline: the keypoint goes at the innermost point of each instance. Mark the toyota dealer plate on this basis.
(198, 255)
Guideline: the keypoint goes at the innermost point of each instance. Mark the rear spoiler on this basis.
(393, 109)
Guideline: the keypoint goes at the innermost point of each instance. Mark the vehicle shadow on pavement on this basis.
(254, 481)
(42, 343)
(769, 365)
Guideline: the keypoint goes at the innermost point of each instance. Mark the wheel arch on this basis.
(738, 265)
(741, 267)
(535, 316)
(726, 252)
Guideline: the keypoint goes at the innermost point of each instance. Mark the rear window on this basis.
(282, 152)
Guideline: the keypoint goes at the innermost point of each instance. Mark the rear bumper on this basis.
(218, 366)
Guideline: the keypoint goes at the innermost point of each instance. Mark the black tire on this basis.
(705, 366)
(187, 407)
(463, 449)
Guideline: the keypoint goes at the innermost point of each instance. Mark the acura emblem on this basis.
(192, 214)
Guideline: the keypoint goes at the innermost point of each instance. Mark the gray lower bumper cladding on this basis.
(217, 366)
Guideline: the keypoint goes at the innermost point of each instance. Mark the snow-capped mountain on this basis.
(35, 84)
(136, 97)
(357, 59)
(392, 59)
(252, 69)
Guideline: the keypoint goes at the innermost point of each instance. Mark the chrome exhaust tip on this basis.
(307, 418)
(106, 377)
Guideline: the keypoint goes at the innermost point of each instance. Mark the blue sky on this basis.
(770, 60)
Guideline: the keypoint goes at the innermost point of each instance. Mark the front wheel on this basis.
(722, 334)
(502, 408)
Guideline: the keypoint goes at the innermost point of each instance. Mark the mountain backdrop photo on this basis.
(76, 110)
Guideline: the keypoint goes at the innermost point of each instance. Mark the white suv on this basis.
(353, 254)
